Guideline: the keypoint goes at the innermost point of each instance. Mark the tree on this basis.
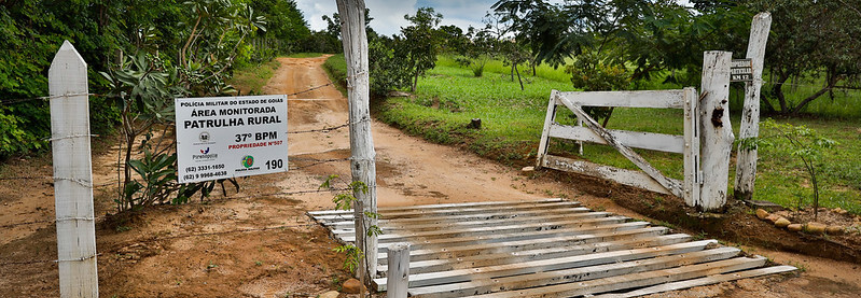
(811, 39)
(420, 42)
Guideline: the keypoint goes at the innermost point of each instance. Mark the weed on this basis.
(121, 229)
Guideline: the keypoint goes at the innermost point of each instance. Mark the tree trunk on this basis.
(518, 77)
(778, 91)
(831, 82)
(363, 155)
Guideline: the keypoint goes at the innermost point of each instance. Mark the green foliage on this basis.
(810, 39)
(806, 145)
(354, 256)
(420, 42)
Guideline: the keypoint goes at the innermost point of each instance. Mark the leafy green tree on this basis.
(811, 39)
(805, 144)
(420, 42)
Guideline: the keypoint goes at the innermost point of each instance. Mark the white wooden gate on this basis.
(649, 178)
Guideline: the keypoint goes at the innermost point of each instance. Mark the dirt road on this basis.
(255, 244)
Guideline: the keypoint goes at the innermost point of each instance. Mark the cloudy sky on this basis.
(389, 14)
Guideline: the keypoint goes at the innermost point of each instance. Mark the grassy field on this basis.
(512, 121)
(250, 78)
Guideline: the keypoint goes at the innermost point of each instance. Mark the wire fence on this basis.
(120, 247)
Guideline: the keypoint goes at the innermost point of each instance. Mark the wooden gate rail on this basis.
(650, 178)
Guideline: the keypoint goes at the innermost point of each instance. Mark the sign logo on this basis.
(203, 137)
(204, 155)
(248, 161)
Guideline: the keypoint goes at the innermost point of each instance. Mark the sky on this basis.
(389, 14)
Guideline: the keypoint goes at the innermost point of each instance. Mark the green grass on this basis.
(336, 68)
(250, 78)
(512, 122)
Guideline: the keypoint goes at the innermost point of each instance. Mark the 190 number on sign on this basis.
(274, 164)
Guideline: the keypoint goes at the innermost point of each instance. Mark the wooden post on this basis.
(745, 172)
(716, 132)
(693, 172)
(363, 157)
(73, 174)
(545, 134)
(398, 277)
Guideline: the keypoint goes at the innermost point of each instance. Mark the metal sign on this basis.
(226, 137)
(741, 70)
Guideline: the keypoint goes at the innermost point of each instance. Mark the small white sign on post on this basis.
(741, 70)
(226, 137)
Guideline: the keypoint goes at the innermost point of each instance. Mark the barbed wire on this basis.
(20, 100)
(813, 86)
(27, 223)
(156, 239)
(318, 162)
(326, 129)
(311, 89)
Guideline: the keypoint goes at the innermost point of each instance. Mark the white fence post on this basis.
(398, 277)
(693, 184)
(717, 136)
(745, 173)
(363, 155)
(73, 174)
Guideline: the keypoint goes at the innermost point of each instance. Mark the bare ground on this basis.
(256, 244)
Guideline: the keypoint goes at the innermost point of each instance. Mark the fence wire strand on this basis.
(156, 239)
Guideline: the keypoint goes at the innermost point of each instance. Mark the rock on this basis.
(834, 230)
(795, 227)
(765, 205)
(762, 214)
(329, 294)
(528, 169)
(814, 228)
(782, 222)
(772, 217)
(352, 286)
(840, 211)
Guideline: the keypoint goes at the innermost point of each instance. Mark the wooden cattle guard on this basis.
(362, 163)
(745, 174)
(73, 174)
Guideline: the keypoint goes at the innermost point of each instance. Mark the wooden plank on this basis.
(398, 270)
(396, 227)
(462, 275)
(486, 286)
(502, 237)
(673, 186)
(549, 119)
(710, 280)
(745, 173)
(428, 252)
(497, 258)
(73, 174)
(442, 206)
(442, 219)
(716, 130)
(661, 99)
(636, 139)
(627, 177)
(635, 280)
(692, 183)
(467, 232)
(459, 211)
